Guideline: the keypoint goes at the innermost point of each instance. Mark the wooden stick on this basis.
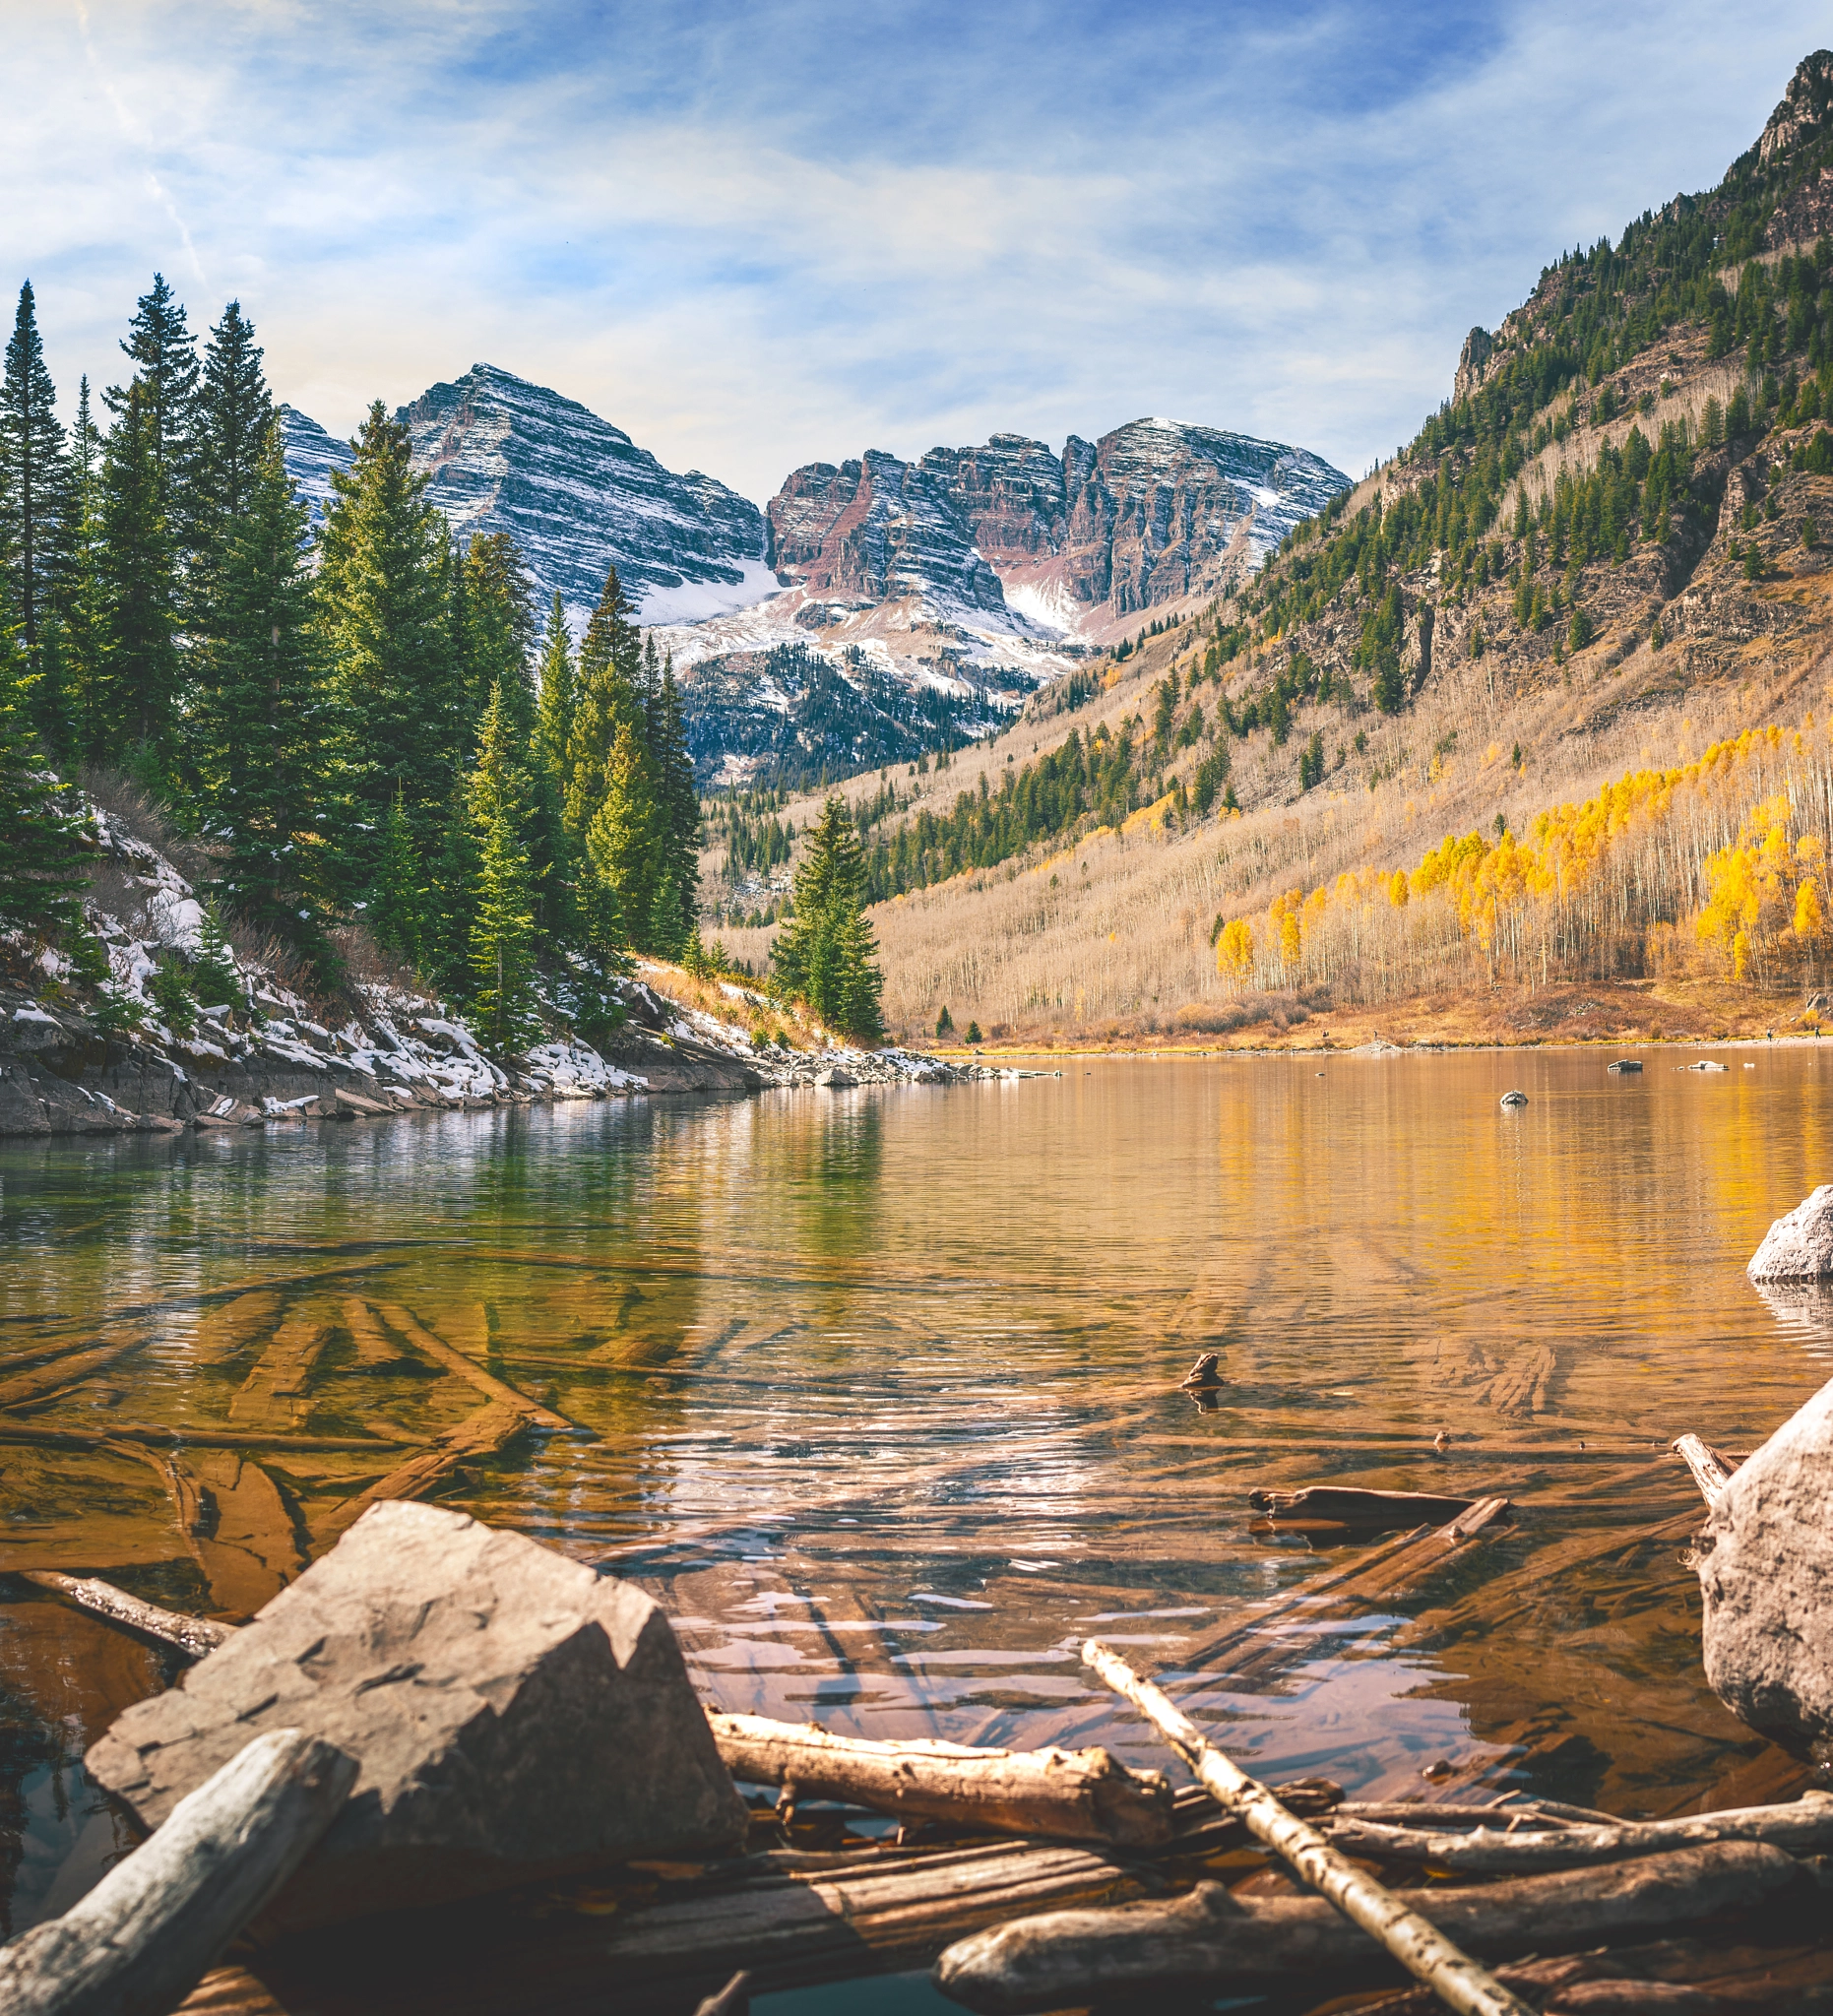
(1056, 1795)
(1347, 1507)
(1127, 1958)
(142, 1938)
(733, 1999)
(193, 1636)
(1805, 1827)
(1420, 1947)
(1710, 1471)
(69, 1371)
(478, 1436)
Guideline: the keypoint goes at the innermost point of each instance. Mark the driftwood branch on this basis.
(1341, 1506)
(1057, 1794)
(733, 1999)
(436, 1347)
(1711, 1473)
(142, 1937)
(193, 1636)
(1805, 1827)
(1208, 1938)
(1418, 1945)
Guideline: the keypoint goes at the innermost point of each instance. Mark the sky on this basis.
(770, 233)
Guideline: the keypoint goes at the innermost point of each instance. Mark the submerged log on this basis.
(1345, 1507)
(1210, 1938)
(436, 1347)
(1805, 1827)
(142, 1937)
(193, 1636)
(1059, 1794)
(1415, 1943)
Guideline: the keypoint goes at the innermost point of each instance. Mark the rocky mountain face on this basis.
(1078, 541)
(575, 492)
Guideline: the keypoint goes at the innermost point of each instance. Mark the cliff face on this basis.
(575, 493)
(1152, 512)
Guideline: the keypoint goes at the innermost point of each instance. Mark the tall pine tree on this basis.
(34, 491)
(826, 952)
(608, 850)
(83, 727)
(500, 805)
(381, 598)
(136, 705)
(164, 355)
(260, 742)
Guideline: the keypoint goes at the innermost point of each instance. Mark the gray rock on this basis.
(1800, 1245)
(836, 1079)
(1767, 1575)
(1514, 1099)
(518, 1718)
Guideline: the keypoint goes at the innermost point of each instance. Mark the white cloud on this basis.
(758, 236)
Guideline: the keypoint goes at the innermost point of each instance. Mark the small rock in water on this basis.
(1207, 1371)
(1798, 1246)
(1625, 1064)
(1514, 1099)
(1766, 1570)
(1442, 1440)
(518, 1718)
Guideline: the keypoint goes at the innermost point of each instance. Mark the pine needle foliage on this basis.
(826, 952)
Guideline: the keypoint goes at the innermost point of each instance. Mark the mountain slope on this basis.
(1608, 552)
(575, 492)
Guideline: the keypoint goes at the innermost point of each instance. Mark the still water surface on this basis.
(876, 1391)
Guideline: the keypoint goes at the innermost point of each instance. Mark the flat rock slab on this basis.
(1800, 1245)
(1767, 1574)
(517, 1716)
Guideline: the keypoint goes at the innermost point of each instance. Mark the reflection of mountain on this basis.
(1803, 1312)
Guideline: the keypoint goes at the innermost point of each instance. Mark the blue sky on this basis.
(761, 235)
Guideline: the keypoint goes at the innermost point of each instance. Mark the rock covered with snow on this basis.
(1766, 1571)
(1799, 1245)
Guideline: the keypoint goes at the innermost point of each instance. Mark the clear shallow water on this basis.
(877, 1392)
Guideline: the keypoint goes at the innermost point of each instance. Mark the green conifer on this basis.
(826, 952)
(164, 352)
(136, 707)
(214, 978)
(262, 741)
(81, 598)
(397, 907)
(42, 837)
(500, 805)
(35, 484)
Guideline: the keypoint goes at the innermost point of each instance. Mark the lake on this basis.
(877, 1392)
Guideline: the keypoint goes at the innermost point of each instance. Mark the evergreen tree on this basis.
(214, 979)
(82, 598)
(679, 800)
(607, 792)
(165, 353)
(552, 724)
(134, 709)
(622, 844)
(233, 417)
(381, 602)
(499, 631)
(41, 851)
(398, 905)
(261, 744)
(35, 489)
(500, 805)
(555, 705)
(826, 952)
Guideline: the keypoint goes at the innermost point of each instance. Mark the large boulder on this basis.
(518, 1718)
(1767, 1572)
(1800, 1245)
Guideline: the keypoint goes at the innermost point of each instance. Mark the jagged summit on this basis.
(574, 491)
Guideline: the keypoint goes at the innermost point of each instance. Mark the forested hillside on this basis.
(1600, 563)
(372, 737)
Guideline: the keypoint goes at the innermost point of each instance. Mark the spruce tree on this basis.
(826, 951)
(498, 613)
(260, 742)
(397, 907)
(554, 711)
(381, 602)
(233, 417)
(41, 847)
(607, 792)
(622, 844)
(136, 707)
(165, 353)
(500, 805)
(679, 799)
(552, 724)
(35, 489)
(214, 979)
(82, 598)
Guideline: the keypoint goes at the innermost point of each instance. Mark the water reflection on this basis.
(878, 1390)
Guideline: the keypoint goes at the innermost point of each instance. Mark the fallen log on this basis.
(436, 1347)
(193, 1636)
(1420, 1947)
(1805, 1827)
(145, 1936)
(1210, 1939)
(71, 1369)
(1056, 1794)
(1342, 1506)
(1711, 1472)
(478, 1435)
